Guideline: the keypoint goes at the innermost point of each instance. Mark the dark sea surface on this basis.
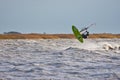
(59, 59)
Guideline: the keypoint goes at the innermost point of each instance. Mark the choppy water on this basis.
(59, 59)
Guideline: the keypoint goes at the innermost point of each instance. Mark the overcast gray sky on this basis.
(57, 16)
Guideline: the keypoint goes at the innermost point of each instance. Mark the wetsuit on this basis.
(85, 34)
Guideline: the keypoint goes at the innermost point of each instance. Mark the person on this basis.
(85, 34)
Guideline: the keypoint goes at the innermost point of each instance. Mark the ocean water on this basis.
(60, 59)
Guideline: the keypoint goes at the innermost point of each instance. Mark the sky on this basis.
(58, 16)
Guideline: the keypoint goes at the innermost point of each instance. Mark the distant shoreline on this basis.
(54, 36)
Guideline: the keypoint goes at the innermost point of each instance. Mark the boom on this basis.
(87, 27)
